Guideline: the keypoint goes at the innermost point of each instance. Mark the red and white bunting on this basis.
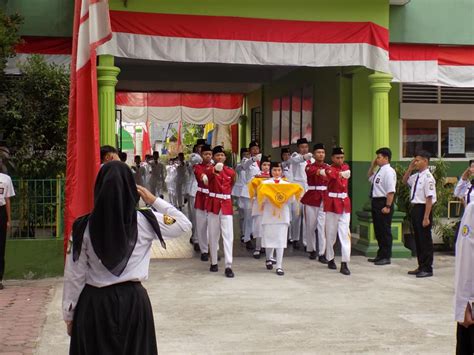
(433, 64)
(91, 29)
(174, 107)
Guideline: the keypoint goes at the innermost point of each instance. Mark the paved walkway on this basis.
(310, 310)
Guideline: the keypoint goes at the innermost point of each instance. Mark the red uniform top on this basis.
(317, 183)
(337, 185)
(220, 189)
(201, 197)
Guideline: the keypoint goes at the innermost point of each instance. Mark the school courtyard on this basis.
(310, 310)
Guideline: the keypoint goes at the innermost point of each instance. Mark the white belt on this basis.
(319, 188)
(204, 191)
(336, 195)
(221, 196)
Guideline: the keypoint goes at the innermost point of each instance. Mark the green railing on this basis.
(37, 209)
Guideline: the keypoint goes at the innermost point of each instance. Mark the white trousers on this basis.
(315, 219)
(241, 215)
(279, 256)
(246, 206)
(192, 217)
(219, 224)
(295, 224)
(201, 230)
(338, 225)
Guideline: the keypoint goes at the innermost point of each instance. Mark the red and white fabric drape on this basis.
(197, 108)
(432, 64)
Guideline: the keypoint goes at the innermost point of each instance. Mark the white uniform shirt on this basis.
(192, 184)
(465, 190)
(422, 185)
(464, 277)
(384, 181)
(171, 177)
(298, 168)
(251, 168)
(89, 270)
(240, 182)
(287, 170)
(272, 214)
(6, 188)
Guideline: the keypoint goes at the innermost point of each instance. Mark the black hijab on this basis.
(113, 222)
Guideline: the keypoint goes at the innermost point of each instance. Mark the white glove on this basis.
(205, 180)
(346, 174)
(195, 159)
(218, 167)
(322, 172)
(258, 157)
(307, 156)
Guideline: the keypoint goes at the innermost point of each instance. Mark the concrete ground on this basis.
(310, 310)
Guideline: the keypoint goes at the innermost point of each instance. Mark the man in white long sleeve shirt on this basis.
(251, 166)
(465, 187)
(191, 189)
(237, 189)
(299, 160)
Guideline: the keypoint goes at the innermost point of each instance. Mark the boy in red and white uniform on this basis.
(313, 201)
(337, 206)
(220, 179)
(200, 201)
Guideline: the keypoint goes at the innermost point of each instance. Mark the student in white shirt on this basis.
(237, 189)
(423, 197)
(6, 192)
(465, 187)
(109, 255)
(463, 284)
(382, 191)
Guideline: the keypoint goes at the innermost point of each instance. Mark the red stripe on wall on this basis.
(248, 29)
(420, 52)
(45, 45)
(456, 56)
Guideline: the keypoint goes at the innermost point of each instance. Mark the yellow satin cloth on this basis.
(254, 184)
(278, 194)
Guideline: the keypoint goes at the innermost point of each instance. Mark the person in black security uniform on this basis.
(382, 192)
(423, 197)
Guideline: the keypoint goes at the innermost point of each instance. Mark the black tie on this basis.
(469, 192)
(373, 183)
(414, 187)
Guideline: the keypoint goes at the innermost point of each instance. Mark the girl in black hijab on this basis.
(106, 309)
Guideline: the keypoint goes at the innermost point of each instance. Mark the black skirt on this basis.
(116, 319)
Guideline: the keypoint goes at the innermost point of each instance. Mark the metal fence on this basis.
(37, 209)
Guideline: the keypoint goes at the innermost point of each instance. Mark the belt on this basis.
(221, 196)
(204, 191)
(318, 188)
(337, 195)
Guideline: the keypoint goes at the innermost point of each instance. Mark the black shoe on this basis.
(1, 286)
(256, 254)
(262, 251)
(249, 245)
(344, 269)
(332, 265)
(204, 256)
(191, 240)
(280, 272)
(228, 272)
(162, 197)
(424, 274)
(196, 247)
(383, 261)
(414, 272)
(242, 239)
(312, 255)
(214, 268)
(373, 260)
(322, 259)
(296, 244)
(269, 264)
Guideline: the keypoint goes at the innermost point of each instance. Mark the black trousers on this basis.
(3, 239)
(423, 238)
(465, 340)
(382, 227)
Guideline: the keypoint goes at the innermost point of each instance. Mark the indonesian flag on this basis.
(146, 146)
(91, 29)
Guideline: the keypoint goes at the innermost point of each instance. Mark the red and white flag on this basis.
(146, 145)
(91, 29)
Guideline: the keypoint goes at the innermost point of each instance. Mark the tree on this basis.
(34, 119)
(9, 37)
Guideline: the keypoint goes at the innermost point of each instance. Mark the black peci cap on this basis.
(217, 149)
(318, 146)
(206, 148)
(337, 150)
(201, 141)
(301, 141)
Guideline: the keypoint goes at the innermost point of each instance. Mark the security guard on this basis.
(423, 197)
(382, 190)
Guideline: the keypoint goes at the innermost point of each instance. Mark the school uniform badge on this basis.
(466, 230)
(168, 220)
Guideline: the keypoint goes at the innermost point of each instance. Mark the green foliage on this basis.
(34, 119)
(190, 133)
(9, 37)
(444, 192)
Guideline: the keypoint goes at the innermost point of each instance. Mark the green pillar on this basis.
(106, 80)
(380, 87)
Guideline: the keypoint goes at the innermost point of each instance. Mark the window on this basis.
(457, 139)
(420, 135)
(255, 124)
(292, 117)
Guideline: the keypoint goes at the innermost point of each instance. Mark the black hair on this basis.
(123, 157)
(106, 149)
(385, 152)
(470, 162)
(424, 154)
